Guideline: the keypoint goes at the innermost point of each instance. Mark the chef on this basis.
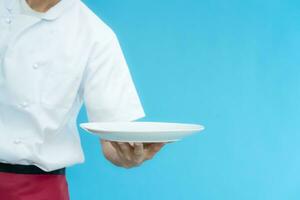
(55, 56)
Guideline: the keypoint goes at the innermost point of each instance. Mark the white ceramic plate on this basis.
(141, 131)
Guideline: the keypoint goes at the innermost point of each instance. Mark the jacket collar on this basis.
(52, 14)
(57, 10)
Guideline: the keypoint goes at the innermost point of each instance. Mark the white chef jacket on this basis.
(50, 64)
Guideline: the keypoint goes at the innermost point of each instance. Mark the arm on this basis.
(110, 95)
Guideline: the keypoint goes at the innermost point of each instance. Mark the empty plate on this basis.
(146, 132)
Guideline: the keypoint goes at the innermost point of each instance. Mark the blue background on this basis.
(231, 65)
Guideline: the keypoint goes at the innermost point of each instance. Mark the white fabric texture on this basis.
(50, 64)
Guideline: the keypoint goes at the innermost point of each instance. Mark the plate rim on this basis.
(198, 129)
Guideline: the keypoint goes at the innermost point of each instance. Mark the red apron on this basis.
(19, 186)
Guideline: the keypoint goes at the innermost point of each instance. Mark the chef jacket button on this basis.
(17, 141)
(9, 9)
(23, 104)
(8, 20)
(35, 66)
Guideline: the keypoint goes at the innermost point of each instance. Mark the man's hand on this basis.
(123, 154)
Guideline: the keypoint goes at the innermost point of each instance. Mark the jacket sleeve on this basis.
(109, 92)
